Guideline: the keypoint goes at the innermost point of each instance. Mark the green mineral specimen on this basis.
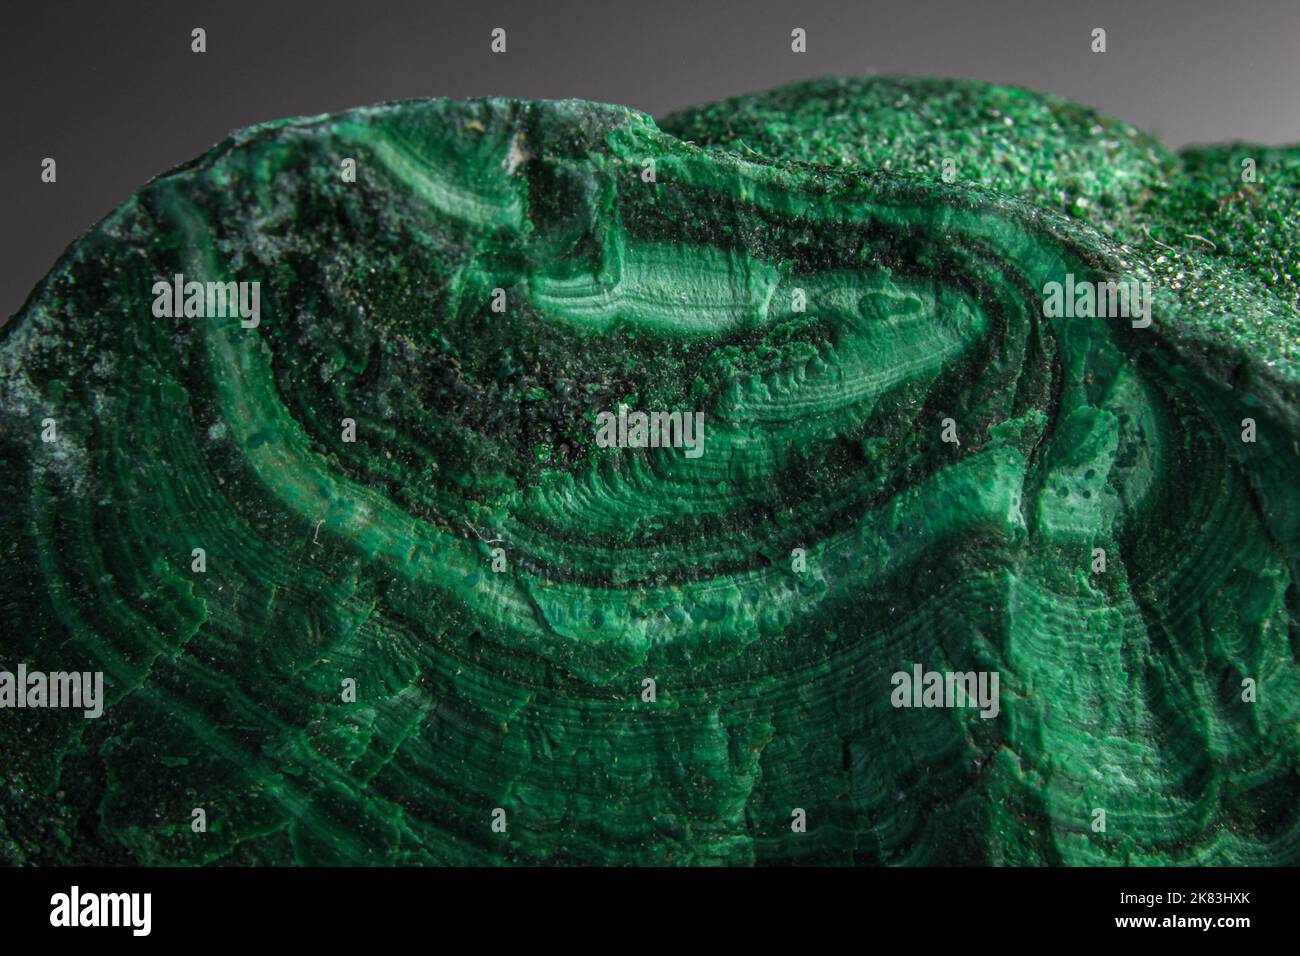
(382, 564)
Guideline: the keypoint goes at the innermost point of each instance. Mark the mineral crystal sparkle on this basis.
(364, 587)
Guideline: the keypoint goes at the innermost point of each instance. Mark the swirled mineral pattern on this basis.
(867, 471)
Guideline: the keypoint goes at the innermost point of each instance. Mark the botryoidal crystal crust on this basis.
(367, 583)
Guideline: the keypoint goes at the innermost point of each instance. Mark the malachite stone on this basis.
(393, 474)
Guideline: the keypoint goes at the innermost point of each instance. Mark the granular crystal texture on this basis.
(829, 273)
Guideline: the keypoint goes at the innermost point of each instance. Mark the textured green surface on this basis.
(522, 689)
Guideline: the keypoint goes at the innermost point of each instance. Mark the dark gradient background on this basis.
(113, 93)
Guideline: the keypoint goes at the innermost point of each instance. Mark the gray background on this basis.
(113, 93)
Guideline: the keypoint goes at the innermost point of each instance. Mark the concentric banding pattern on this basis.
(329, 559)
